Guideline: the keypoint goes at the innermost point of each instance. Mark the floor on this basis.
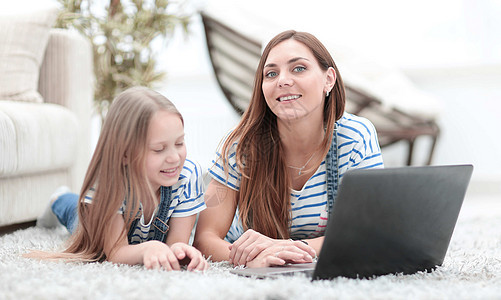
(481, 205)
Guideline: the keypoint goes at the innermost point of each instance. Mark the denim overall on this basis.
(331, 161)
(160, 227)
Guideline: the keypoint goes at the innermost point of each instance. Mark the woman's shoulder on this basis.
(358, 134)
(226, 137)
(355, 126)
(230, 148)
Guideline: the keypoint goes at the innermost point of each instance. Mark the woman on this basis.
(276, 175)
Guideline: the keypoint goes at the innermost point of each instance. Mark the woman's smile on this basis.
(293, 82)
(289, 98)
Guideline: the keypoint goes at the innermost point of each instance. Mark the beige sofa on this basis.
(46, 92)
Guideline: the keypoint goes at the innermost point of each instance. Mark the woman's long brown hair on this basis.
(116, 172)
(264, 195)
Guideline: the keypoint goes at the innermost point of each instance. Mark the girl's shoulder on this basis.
(191, 168)
(191, 178)
(190, 174)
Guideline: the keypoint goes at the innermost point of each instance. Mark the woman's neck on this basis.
(301, 137)
(301, 142)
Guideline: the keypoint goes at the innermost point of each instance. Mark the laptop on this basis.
(386, 221)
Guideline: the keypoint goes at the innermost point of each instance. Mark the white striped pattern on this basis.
(358, 149)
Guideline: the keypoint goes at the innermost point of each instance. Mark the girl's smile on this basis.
(170, 172)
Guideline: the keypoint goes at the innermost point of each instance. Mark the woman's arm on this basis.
(316, 244)
(215, 221)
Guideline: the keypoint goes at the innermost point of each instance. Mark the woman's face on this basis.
(294, 85)
(166, 150)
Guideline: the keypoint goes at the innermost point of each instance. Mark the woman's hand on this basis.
(159, 255)
(248, 246)
(252, 245)
(280, 254)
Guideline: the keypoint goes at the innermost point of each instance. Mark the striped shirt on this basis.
(187, 199)
(358, 148)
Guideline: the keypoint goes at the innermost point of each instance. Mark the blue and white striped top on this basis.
(187, 199)
(358, 148)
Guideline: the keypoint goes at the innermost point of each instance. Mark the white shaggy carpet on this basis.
(471, 270)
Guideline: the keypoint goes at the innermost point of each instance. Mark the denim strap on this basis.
(160, 227)
(131, 230)
(332, 172)
(160, 223)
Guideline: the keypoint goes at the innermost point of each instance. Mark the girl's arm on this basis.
(180, 229)
(153, 254)
(215, 221)
(122, 252)
(178, 238)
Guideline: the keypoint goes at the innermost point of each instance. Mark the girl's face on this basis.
(166, 151)
(294, 85)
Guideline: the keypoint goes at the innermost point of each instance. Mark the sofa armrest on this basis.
(66, 74)
(67, 78)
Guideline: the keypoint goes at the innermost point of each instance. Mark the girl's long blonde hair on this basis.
(116, 172)
(264, 195)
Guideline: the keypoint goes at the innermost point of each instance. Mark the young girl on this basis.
(140, 195)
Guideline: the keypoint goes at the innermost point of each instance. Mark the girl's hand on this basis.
(159, 255)
(186, 252)
(251, 244)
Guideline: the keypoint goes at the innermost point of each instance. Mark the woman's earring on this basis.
(327, 94)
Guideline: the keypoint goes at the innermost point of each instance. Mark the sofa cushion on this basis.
(36, 137)
(24, 32)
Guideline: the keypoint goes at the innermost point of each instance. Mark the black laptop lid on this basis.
(394, 220)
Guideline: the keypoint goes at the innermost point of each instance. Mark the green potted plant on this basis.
(122, 33)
